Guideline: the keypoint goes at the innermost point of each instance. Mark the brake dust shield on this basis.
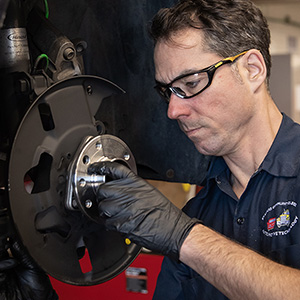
(56, 142)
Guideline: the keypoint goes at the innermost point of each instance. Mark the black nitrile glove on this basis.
(22, 279)
(9, 289)
(135, 208)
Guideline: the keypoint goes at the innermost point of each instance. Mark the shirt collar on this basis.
(282, 158)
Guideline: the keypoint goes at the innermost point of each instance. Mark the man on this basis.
(212, 67)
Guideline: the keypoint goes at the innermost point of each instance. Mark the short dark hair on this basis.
(229, 26)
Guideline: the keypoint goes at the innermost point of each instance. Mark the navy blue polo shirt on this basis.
(265, 218)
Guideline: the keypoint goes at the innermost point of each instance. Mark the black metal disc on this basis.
(57, 238)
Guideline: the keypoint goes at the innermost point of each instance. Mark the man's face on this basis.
(217, 119)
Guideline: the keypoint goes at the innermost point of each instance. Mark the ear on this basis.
(255, 67)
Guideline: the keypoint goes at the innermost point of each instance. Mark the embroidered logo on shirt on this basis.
(283, 219)
(271, 223)
(279, 222)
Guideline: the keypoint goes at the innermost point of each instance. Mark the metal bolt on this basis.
(82, 182)
(98, 146)
(69, 53)
(126, 156)
(100, 127)
(88, 203)
(86, 159)
(61, 179)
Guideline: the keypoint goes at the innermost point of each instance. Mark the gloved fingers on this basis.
(110, 206)
(135, 185)
(30, 280)
(114, 200)
(112, 169)
(19, 252)
(118, 223)
(127, 217)
(7, 264)
(114, 189)
(115, 196)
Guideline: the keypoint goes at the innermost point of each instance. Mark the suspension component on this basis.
(55, 143)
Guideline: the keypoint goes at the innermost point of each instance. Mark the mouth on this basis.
(191, 132)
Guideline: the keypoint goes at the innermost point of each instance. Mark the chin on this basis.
(210, 150)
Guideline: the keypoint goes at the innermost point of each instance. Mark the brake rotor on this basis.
(48, 183)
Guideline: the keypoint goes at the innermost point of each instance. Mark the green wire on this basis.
(41, 57)
(46, 9)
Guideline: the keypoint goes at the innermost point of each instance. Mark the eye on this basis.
(192, 84)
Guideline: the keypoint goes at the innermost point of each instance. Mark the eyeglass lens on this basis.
(190, 85)
(186, 86)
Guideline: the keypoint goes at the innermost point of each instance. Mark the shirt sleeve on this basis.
(168, 284)
(177, 281)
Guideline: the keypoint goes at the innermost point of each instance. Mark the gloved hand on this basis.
(9, 289)
(135, 208)
(22, 279)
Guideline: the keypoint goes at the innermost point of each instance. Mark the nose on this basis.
(177, 107)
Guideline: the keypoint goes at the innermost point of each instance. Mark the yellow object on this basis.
(127, 241)
(186, 187)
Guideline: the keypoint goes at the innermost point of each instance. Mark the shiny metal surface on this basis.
(81, 187)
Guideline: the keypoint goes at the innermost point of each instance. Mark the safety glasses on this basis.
(189, 85)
